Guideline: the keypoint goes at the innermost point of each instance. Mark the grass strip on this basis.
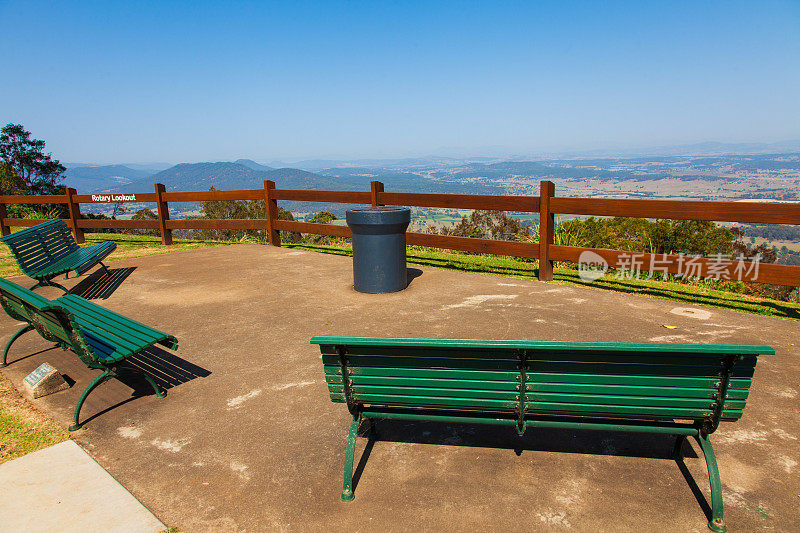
(700, 293)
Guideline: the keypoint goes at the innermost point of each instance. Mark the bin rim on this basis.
(380, 208)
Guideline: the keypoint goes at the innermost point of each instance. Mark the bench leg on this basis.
(14, 337)
(49, 283)
(97, 381)
(347, 490)
(716, 523)
(160, 393)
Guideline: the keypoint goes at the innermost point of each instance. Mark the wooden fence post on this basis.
(163, 215)
(273, 234)
(546, 230)
(74, 215)
(376, 187)
(4, 230)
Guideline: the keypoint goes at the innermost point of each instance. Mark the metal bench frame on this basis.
(48, 249)
(524, 414)
(62, 321)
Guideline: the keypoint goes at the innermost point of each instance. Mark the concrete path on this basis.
(61, 488)
(247, 438)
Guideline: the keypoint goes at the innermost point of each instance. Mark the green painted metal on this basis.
(532, 422)
(347, 488)
(539, 366)
(511, 385)
(14, 337)
(716, 523)
(100, 338)
(106, 374)
(362, 390)
(541, 377)
(600, 356)
(47, 250)
(109, 373)
(654, 347)
(720, 404)
(631, 387)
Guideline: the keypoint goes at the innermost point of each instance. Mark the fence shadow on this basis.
(682, 295)
(101, 284)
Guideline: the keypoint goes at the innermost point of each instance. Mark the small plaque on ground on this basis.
(43, 381)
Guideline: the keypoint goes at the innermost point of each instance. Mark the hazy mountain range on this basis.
(247, 174)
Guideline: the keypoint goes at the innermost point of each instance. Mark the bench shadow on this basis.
(584, 442)
(167, 370)
(18, 359)
(101, 284)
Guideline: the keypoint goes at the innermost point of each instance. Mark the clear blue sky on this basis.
(198, 81)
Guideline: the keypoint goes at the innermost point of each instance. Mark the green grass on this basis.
(23, 429)
(128, 246)
(691, 294)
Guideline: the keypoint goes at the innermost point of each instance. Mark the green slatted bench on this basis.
(673, 389)
(48, 249)
(102, 339)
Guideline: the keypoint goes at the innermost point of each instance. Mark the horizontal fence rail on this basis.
(546, 204)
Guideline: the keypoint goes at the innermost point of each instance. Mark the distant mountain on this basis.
(87, 179)
(249, 163)
(698, 149)
(152, 168)
(226, 176)
(319, 164)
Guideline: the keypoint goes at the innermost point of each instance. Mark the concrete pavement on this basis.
(247, 439)
(61, 488)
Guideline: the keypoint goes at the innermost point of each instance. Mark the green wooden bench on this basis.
(48, 249)
(673, 389)
(102, 339)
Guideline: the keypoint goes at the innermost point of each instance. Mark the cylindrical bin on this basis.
(379, 248)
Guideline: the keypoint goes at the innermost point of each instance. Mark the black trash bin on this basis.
(379, 248)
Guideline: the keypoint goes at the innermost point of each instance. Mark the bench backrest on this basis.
(37, 247)
(629, 380)
(51, 321)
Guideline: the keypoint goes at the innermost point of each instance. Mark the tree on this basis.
(144, 214)
(241, 209)
(486, 225)
(10, 182)
(27, 169)
(323, 217)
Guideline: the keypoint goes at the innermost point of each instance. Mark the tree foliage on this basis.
(323, 217)
(239, 209)
(145, 214)
(695, 237)
(485, 224)
(26, 169)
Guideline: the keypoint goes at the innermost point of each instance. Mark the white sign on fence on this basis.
(113, 197)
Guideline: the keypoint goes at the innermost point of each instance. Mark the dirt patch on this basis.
(23, 428)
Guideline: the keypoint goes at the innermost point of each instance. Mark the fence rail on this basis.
(546, 204)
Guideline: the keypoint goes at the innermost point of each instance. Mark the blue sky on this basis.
(199, 81)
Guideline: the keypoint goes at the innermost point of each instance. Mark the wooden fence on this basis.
(546, 204)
